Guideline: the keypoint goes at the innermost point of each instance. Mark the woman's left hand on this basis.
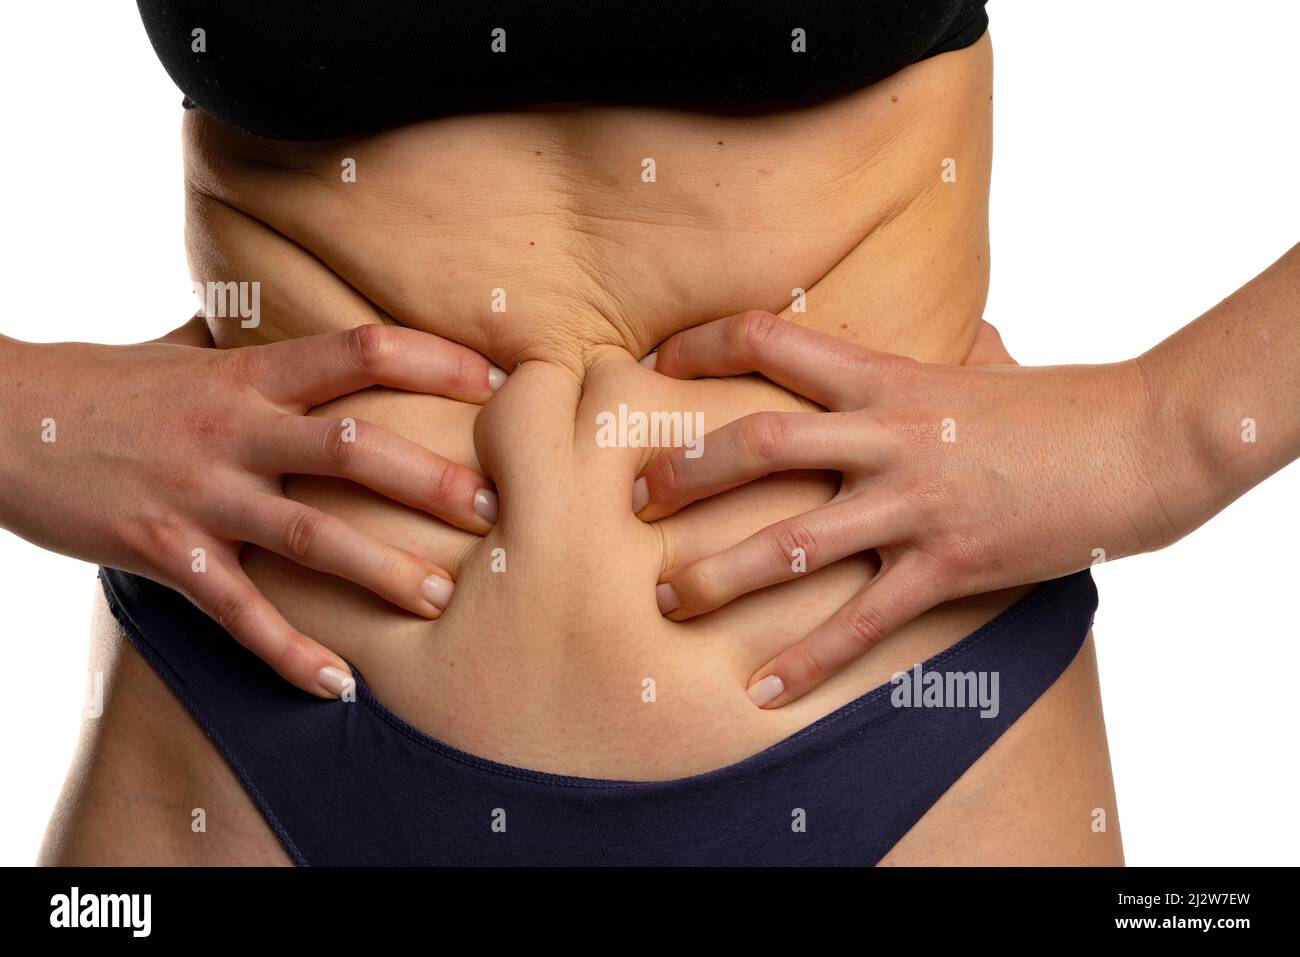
(964, 479)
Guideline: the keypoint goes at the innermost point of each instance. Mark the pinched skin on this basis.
(542, 657)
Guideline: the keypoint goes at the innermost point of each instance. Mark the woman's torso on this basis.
(564, 243)
(596, 255)
(874, 203)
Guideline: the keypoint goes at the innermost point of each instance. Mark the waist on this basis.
(542, 233)
(564, 244)
(553, 654)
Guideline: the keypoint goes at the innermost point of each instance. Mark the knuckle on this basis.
(910, 431)
(208, 420)
(467, 372)
(699, 585)
(238, 365)
(806, 666)
(954, 557)
(293, 649)
(670, 475)
(368, 347)
(231, 610)
(186, 481)
(863, 626)
(791, 537)
(393, 567)
(766, 436)
(302, 533)
(897, 371)
(157, 539)
(337, 449)
(879, 436)
(757, 332)
(442, 482)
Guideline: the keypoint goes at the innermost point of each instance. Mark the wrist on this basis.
(1179, 450)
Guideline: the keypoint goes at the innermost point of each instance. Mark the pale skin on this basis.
(971, 478)
(165, 447)
(262, 218)
(1049, 464)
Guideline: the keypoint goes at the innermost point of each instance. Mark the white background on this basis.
(1145, 167)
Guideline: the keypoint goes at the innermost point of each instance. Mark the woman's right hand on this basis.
(139, 456)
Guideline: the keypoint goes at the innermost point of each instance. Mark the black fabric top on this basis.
(298, 69)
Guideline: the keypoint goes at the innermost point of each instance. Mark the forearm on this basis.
(1225, 398)
(20, 422)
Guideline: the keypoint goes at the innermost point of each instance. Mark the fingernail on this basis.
(334, 682)
(437, 591)
(496, 378)
(666, 595)
(485, 503)
(765, 689)
(640, 495)
(650, 360)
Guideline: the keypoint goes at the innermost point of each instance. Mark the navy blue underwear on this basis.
(351, 783)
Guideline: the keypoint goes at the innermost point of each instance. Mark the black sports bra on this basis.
(302, 69)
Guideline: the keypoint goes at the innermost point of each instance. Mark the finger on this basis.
(893, 598)
(833, 373)
(747, 449)
(318, 540)
(779, 553)
(228, 596)
(987, 349)
(315, 369)
(395, 467)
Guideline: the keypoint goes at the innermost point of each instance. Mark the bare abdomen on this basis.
(537, 239)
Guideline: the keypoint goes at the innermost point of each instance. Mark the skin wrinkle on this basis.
(546, 673)
(541, 349)
(590, 227)
(202, 250)
(590, 266)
